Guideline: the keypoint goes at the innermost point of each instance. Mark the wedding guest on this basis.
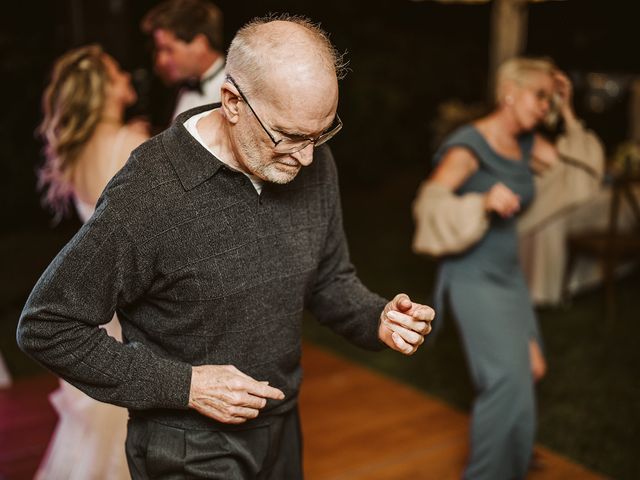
(187, 35)
(86, 143)
(466, 212)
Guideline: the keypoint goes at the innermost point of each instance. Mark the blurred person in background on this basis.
(187, 35)
(467, 213)
(86, 143)
(570, 197)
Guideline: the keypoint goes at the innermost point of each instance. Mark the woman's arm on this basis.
(569, 172)
(458, 165)
(447, 223)
(544, 155)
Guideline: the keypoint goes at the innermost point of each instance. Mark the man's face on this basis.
(285, 116)
(174, 58)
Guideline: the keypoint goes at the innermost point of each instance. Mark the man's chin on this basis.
(281, 179)
(282, 173)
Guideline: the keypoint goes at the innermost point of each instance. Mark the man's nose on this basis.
(304, 156)
(161, 60)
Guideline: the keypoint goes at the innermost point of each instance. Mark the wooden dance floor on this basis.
(357, 425)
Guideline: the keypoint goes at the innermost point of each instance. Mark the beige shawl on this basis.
(447, 223)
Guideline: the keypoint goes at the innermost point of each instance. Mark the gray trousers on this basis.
(496, 342)
(267, 452)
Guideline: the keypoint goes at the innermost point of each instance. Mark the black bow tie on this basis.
(197, 84)
(193, 85)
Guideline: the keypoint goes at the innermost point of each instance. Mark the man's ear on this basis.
(200, 43)
(230, 101)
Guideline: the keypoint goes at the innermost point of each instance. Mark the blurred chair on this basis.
(610, 246)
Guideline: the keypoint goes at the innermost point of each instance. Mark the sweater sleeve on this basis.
(98, 271)
(338, 299)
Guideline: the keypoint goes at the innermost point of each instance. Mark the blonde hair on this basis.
(518, 70)
(72, 105)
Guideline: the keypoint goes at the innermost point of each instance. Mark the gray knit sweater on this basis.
(200, 270)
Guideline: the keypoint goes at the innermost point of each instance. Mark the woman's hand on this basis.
(502, 200)
(564, 90)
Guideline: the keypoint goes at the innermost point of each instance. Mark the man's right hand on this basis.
(227, 395)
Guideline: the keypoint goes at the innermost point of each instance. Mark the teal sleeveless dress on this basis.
(488, 295)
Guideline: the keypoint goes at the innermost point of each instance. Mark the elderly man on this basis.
(209, 244)
(187, 35)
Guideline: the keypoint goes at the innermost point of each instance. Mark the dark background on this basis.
(406, 58)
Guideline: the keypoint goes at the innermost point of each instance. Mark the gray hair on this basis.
(244, 55)
(518, 70)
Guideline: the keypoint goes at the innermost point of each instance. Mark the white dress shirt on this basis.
(211, 81)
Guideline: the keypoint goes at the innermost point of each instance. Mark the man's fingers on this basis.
(243, 412)
(400, 318)
(402, 346)
(251, 401)
(408, 336)
(232, 415)
(245, 383)
(261, 389)
(404, 330)
(228, 395)
(424, 313)
(402, 302)
(419, 314)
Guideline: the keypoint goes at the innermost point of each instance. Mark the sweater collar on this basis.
(193, 163)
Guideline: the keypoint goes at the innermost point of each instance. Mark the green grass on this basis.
(589, 402)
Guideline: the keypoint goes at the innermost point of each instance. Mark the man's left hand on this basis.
(404, 324)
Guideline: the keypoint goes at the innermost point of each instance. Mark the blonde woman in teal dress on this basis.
(466, 213)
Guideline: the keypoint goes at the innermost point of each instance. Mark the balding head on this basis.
(284, 51)
(281, 93)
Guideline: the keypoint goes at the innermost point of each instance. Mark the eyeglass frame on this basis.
(319, 140)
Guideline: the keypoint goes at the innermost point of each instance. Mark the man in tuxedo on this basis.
(187, 35)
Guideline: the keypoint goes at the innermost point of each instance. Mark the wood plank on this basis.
(360, 425)
(357, 425)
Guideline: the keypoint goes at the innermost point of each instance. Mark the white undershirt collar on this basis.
(191, 126)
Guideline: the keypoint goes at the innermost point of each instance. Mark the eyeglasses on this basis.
(289, 145)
